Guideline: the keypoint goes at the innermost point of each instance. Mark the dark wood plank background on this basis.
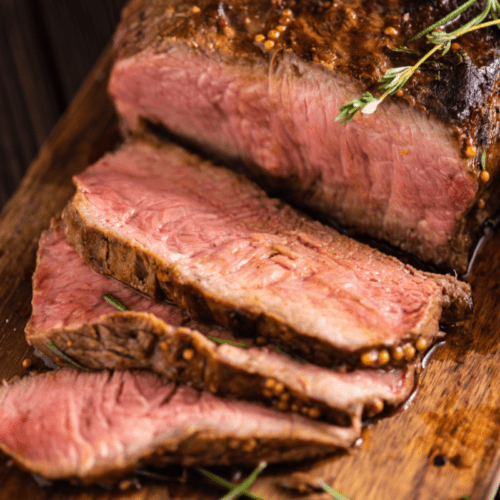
(46, 49)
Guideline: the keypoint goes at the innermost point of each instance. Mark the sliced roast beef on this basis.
(165, 222)
(262, 85)
(68, 424)
(69, 313)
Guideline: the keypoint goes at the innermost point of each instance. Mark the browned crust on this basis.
(110, 255)
(463, 96)
(133, 340)
(348, 37)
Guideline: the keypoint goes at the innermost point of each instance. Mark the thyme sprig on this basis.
(395, 78)
(492, 7)
(443, 39)
(347, 111)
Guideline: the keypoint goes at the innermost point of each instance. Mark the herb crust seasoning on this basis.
(262, 83)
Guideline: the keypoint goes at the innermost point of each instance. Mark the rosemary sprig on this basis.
(395, 78)
(64, 356)
(152, 475)
(237, 490)
(242, 489)
(223, 341)
(112, 300)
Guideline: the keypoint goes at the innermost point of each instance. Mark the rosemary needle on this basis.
(112, 300)
(64, 356)
(331, 491)
(244, 485)
(228, 484)
(222, 341)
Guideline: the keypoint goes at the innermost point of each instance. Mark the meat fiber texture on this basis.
(167, 223)
(69, 313)
(407, 174)
(91, 426)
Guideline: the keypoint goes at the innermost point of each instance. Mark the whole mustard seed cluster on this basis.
(375, 357)
(268, 42)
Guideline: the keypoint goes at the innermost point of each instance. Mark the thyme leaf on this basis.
(395, 78)
(112, 300)
(483, 160)
(348, 110)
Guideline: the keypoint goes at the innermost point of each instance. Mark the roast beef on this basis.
(69, 313)
(167, 223)
(407, 174)
(88, 426)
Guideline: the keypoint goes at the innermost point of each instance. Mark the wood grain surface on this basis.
(444, 446)
(47, 47)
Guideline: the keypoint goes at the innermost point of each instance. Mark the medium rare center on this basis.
(203, 228)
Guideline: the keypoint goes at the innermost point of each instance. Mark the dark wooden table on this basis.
(46, 49)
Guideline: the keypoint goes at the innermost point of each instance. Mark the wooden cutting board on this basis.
(444, 446)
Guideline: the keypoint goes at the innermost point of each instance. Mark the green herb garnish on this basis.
(404, 49)
(222, 341)
(64, 356)
(395, 78)
(237, 490)
(332, 492)
(112, 300)
(242, 489)
(491, 8)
